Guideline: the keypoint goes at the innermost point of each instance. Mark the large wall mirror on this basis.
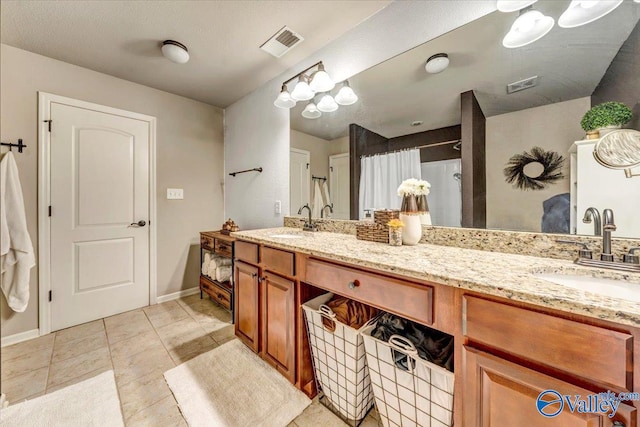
(492, 108)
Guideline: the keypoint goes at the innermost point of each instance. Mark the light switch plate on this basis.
(175, 194)
(277, 207)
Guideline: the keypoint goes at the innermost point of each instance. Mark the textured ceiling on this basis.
(569, 63)
(122, 38)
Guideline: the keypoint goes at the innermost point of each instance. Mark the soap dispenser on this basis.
(367, 215)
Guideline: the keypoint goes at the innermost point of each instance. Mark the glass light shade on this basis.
(327, 104)
(513, 5)
(581, 12)
(302, 91)
(284, 99)
(437, 63)
(320, 80)
(311, 111)
(175, 51)
(346, 95)
(530, 26)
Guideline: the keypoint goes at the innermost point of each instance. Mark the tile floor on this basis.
(139, 345)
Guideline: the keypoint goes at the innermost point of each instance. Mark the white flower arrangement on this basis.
(416, 187)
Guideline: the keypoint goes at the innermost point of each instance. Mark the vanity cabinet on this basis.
(247, 304)
(512, 354)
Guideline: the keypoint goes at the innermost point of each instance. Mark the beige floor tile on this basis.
(224, 334)
(126, 325)
(226, 340)
(33, 396)
(25, 364)
(205, 311)
(316, 415)
(67, 350)
(44, 344)
(80, 331)
(292, 424)
(147, 341)
(163, 314)
(101, 368)
(187, 352)
(142, 364)
(66, 370)
(25, 385)
(143, 392)
(370, 421)
(190, 299)
(179, 332)
(164, 413)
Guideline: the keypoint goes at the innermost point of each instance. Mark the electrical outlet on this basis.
(175, 194)
(278, 207)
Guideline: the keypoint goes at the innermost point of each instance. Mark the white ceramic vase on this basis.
(412, 231)
(425, 218)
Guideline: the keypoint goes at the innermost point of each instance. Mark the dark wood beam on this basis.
(474, 177)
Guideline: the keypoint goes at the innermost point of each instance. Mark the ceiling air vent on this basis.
(282, 42)
(523, 84)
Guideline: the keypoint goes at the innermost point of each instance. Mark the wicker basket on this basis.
(372, 232)
(383, 216)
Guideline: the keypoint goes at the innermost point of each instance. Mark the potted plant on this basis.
(605, 117)
(411, 190)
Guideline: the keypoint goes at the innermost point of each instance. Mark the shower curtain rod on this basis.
(453, 141)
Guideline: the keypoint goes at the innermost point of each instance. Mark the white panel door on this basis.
(299, 179)
(99, 193)
(339, 187)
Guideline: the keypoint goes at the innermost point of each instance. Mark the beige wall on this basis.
(552, 127)
(189, 151)
(339, 146)
(319, 149)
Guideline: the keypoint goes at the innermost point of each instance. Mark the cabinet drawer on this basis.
(222, 296)
(580, 349)
(406, 299)
(222, 248)
(246, 251)
(207, 242)
(278, 261)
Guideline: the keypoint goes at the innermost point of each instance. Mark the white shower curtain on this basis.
(382, 174)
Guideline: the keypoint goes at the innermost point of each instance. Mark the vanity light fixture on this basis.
(284, 100)
(531, 25)
(346, 95)
(175, 51)
(327, 104)
(514, 5)
(320, 80)
(302, 91)
(437, 63)
(311, 111)
(581, 12)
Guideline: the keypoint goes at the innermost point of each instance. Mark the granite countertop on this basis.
(493, 273)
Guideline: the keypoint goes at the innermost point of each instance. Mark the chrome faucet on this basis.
(325, 207)
(308, 226)
(608, 226)
(593, 214)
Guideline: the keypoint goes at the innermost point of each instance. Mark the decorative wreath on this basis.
(550, 160)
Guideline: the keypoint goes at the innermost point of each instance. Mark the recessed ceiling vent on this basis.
(523, 84)
(282, 42)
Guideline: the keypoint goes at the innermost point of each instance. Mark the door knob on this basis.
(140, 223)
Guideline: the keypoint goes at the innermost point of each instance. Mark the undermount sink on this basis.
(286, 236)
(613, 288)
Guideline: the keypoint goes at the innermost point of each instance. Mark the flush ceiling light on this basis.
(437, 63)
(327, 104)
(531, 25)
(320, 80)
(346, 95)
(581, 12)
(311, 111)
(284, 100)
(302, 91)
(513, 5)
(175, 51)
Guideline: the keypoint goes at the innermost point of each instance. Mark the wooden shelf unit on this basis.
(220, 244)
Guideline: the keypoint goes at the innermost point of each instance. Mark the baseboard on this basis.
(179, 294)
(19, 337)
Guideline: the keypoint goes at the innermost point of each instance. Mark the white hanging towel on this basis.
(317, 200)
(16, 251)
(325, 190)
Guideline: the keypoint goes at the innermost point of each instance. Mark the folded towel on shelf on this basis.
(205, 263)
(217, 261)
(223, 273)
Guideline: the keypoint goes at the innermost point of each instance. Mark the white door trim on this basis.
(44, 198)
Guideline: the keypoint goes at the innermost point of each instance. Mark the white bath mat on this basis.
(93, 402)
(230, 386)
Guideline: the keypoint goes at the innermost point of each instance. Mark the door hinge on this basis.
(49, 210)
(50, 296)
(49, 123)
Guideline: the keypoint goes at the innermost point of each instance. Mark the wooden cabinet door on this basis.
(501, 393)
(278, 324)
(247, 304)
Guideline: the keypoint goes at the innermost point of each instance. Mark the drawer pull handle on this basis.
(354, 284)
(222, 247)
(254, 275)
